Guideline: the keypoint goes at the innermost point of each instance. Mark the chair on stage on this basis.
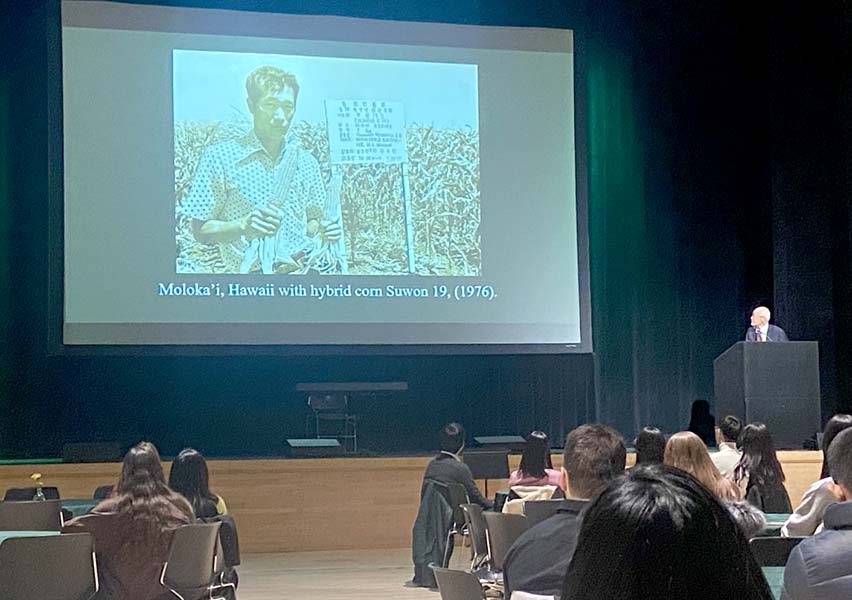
(331, 420)
(502, 531)
(458, 585)
(59, 567)
(773, 551)
(191, 570)
(34, 515)
(29, 493)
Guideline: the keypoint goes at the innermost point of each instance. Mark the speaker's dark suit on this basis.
(773, 334)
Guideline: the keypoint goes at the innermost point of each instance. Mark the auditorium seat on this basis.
(59, 567)
(457, 585)
(773, 551)
(34, 515)
(191, 566)
(28, 493)
(102, 492)
(502, 531)
(478, 538)
(455, 495)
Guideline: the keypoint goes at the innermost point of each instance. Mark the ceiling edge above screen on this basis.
(451, 299)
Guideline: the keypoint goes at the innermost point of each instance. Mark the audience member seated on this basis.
(650, 446)
(657, 533)
(728, 455)
(687, 452)
(448, 467)
(434, 516)
(760, 472)
(594, 454)
(751, 520)
(132, 528)
(820, 567)
(189, 477)
(807, 518)
(702, 423)
(536, 467)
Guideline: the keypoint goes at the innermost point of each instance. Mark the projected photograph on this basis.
(304, 164)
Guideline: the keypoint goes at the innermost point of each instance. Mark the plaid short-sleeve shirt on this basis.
(236, 176)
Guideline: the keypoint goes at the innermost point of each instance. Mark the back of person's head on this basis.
(650, 446)
(840, 461)
(190, 478)
(731, 429)
(452, 438)
(835, 425)
(536, 456)
(144, 502)
(594, 455)
(686, 451)
(759, 461)
(141, 472)
(656, 532)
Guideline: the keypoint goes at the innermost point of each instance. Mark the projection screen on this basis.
(234, 178)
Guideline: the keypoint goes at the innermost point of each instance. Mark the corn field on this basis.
(443, 180)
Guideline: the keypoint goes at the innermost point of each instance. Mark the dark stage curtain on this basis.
(812, 186)
(5, 221)
(673, 157)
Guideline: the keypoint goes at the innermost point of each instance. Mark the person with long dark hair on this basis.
(190, 477)
(133, 527)
(536, 467)
(807, 518)
(656, 532)
(760, 472)
(650, 446)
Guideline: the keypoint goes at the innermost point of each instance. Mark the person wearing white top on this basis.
(728, 455)
(807, 518)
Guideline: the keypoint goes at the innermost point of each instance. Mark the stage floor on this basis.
(327, 575)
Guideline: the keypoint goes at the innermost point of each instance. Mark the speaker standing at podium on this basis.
(761, 330)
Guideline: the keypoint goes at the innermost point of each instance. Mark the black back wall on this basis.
(718, 179)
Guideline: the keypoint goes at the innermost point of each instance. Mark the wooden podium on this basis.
(773, 382)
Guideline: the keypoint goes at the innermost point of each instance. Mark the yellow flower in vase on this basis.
(39, 495)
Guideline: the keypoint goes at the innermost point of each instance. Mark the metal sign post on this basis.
(372, 131)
